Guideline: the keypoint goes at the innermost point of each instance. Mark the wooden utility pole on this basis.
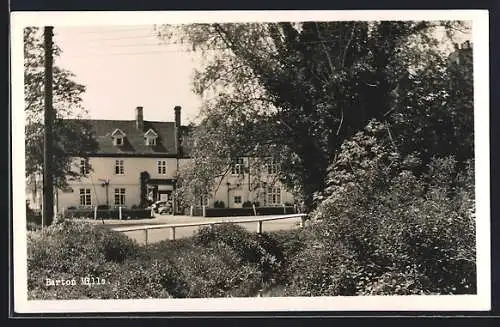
(48, 180)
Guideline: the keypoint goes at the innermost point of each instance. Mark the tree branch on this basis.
(351, 37)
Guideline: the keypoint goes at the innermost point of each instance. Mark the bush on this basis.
(73, 212)
(289, 243)
(217, 272)
(71, 250)
(247, 204)
(219, 204)
(320, 272)
(250, 204)
(249, 247)
(77, 248)
(31, 226)
(248, 211)
(396, 227)
(141, 279)
(106, 213)
(133, 279)
(33, 219)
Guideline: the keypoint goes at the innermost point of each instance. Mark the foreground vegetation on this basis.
(415, 235)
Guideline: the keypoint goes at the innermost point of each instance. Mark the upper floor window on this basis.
(150, 136)
(85, 197)
(118, 137)
(273, 195)
(162, 167)
(272, 166)
(151, 141)
(238, 166)
(84, 167)
(119, 167)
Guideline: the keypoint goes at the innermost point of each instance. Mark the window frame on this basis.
(116, 141)
(238, 166)
(151, 140)
(84, 167)
(161, 167)
(240, 199)
(119, 167)
(273, 193)
(120, 195)
(86, 196)
(272, 166)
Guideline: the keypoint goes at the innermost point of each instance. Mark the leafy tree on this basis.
(380, 229)
(433, 112)
(304, 88)
(214, 145)
(72, 137)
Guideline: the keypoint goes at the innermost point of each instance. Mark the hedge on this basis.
(107, 213)
(227, 212)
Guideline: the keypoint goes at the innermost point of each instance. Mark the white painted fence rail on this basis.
(172, 227)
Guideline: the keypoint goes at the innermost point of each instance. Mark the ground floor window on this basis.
(273, 195)
(119, 196)
(237, 199)
(85, 197)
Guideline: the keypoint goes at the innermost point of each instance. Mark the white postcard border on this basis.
(479, 302)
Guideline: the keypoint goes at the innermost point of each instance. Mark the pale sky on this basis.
(124, 67)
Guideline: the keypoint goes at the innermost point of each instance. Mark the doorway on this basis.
(164, 195)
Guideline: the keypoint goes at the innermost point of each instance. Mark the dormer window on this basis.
(118, 137)
(150, 137)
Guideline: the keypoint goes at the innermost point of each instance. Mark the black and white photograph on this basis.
(251, 161)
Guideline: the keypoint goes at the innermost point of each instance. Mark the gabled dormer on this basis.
(118, 137)
(151, 137)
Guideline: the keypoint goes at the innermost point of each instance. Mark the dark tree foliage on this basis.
(144, 178)
(306, 87)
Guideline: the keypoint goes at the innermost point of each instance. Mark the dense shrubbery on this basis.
(235, 265)
(388, 225)
(249, 247)
(70, 249)
(217, 272)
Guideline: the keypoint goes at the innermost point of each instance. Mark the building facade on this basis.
(137, 161)
(252, 180)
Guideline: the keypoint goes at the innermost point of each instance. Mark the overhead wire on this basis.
(160, 44)
(114, 30)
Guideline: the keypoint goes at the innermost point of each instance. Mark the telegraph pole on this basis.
(48, 180)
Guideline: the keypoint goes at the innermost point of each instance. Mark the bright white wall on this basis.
(105, 168)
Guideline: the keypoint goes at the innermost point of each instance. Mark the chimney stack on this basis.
(177, 110)
(139, 118)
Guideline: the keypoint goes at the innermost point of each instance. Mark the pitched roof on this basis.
(134, 142)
